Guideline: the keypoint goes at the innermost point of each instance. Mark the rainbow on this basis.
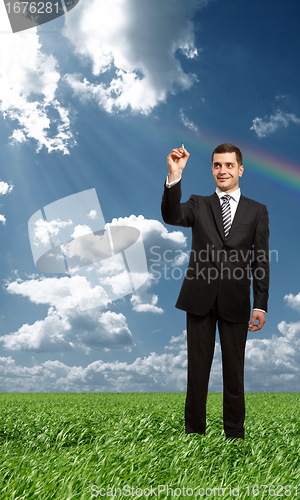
(281, 172)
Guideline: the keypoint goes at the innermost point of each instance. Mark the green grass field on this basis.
(83, 446)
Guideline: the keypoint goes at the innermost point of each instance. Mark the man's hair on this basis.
(228, 148)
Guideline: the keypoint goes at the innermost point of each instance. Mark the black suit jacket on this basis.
(220, 269)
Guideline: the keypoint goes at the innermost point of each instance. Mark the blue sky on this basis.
(96, 100)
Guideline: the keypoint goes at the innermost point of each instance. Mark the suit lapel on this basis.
(239, 214)
(216, 209)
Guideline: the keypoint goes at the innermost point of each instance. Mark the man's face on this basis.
(226, 171)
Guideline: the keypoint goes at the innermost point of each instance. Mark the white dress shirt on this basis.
(233, 202)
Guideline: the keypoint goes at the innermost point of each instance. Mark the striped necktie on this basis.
(226, 214)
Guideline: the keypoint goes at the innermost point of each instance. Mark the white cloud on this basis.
(293, 301)
(61, 293)
(90, 258)
(43, 336)
(81, 230)
(92, 214)
(118, 281)
(159, 244)
(91, 247)
(4, 189)
(18, 136)
(136, 47)
(165, 372)
(274, 364)
(140, 306)
(76, 303)
(269, 124)
(29, 81)
(111, 332)
(132, 67)
(281, 97)
(151, 229)
(271, 365)
(163, 250)
(177, 342)
(69, 331)
(44, 229)
(188, 123)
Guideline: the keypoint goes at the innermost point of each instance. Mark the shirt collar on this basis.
(235, 194)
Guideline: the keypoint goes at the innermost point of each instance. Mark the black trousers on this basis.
(201, 332)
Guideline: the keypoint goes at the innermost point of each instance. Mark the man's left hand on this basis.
(260, 316)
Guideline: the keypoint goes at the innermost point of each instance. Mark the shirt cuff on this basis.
(170, 184)
(259, 310)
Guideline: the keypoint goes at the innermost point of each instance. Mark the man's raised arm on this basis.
(174, 212)
(176, 162)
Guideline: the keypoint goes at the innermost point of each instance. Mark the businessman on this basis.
(230, 250)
